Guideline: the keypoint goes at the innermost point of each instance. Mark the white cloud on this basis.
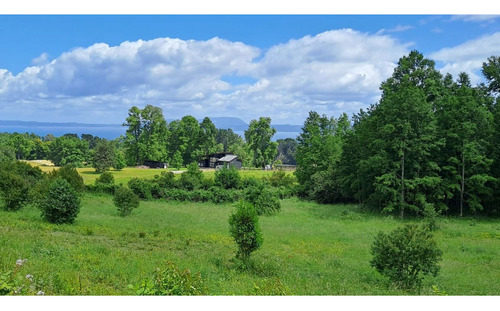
(332, 72)
(41, 60)
(468, 57)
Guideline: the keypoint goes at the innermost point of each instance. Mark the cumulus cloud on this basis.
(469, 56)
(332, 72)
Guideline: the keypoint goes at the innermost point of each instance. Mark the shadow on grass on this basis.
(90, 173)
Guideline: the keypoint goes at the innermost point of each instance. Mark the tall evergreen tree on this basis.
(399, 138)
(465, 124)
(319, 147)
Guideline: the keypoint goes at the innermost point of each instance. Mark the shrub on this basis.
(191, 179)
(125, 200)
(281, 179)
(265, 201)
(71, 175)
(221, 196)
(141, 187)
(61, 203)
(171, 281)
(248, 182)
(106, 178)
(227, 178)
(244, 228)
(14, 191)
(405, 255)
(104, 183)
(176, 194)
(165, 180)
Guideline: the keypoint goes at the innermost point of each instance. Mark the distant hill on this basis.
(112, 131)
(52, 124)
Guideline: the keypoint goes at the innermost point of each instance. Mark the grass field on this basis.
(308, 249)
(89, 174)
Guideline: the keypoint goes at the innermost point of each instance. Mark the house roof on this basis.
(228, 158)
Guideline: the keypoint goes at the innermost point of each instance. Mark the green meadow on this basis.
(308, 249)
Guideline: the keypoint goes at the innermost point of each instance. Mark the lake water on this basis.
(108, 132)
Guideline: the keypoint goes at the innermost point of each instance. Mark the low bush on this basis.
(61, 203)
(221, 196)
(281, 179)
(171, 281)
(125, 200)
(71, 175)
(406, 255)
(191, 179)
(176, 194)
(165, 180)
(13, 190)
(141, 187)
(105, 183)
(227, 178)
(265, 200)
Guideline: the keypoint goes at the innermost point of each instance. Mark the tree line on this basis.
(150, 138)
(430, 145)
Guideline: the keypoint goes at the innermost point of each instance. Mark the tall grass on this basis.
(308, 249)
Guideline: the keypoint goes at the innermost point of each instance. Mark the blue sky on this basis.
(93, 68)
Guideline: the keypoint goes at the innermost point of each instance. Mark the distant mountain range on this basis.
(235, 124)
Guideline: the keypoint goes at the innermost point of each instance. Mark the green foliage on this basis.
(146, 135)
(258, 138)
(325, 187)
(220, 195)
(183, 195)
(13, 282)
(71, 175)
(191, 179)
(271, 287)
(229, 141)
(227, 178)
(104, 154)
(265, 200)
(286, 151)
(165, 180)
(119, 161)
(280, 178)
(61, 203)
(406, 255)
(142, 187)
(105, 183)
(245, 230)
(319, 147)
(171, 281)
(7, 153)
(125, 200)
(68, 150)
(106, 178)
(176, 160)
(13, 190)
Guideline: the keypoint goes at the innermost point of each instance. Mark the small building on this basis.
(155, 164)
(219, 159)
(229, 160)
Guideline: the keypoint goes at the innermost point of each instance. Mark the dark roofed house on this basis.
(229, 160)
(220, 159)
(155, 164)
